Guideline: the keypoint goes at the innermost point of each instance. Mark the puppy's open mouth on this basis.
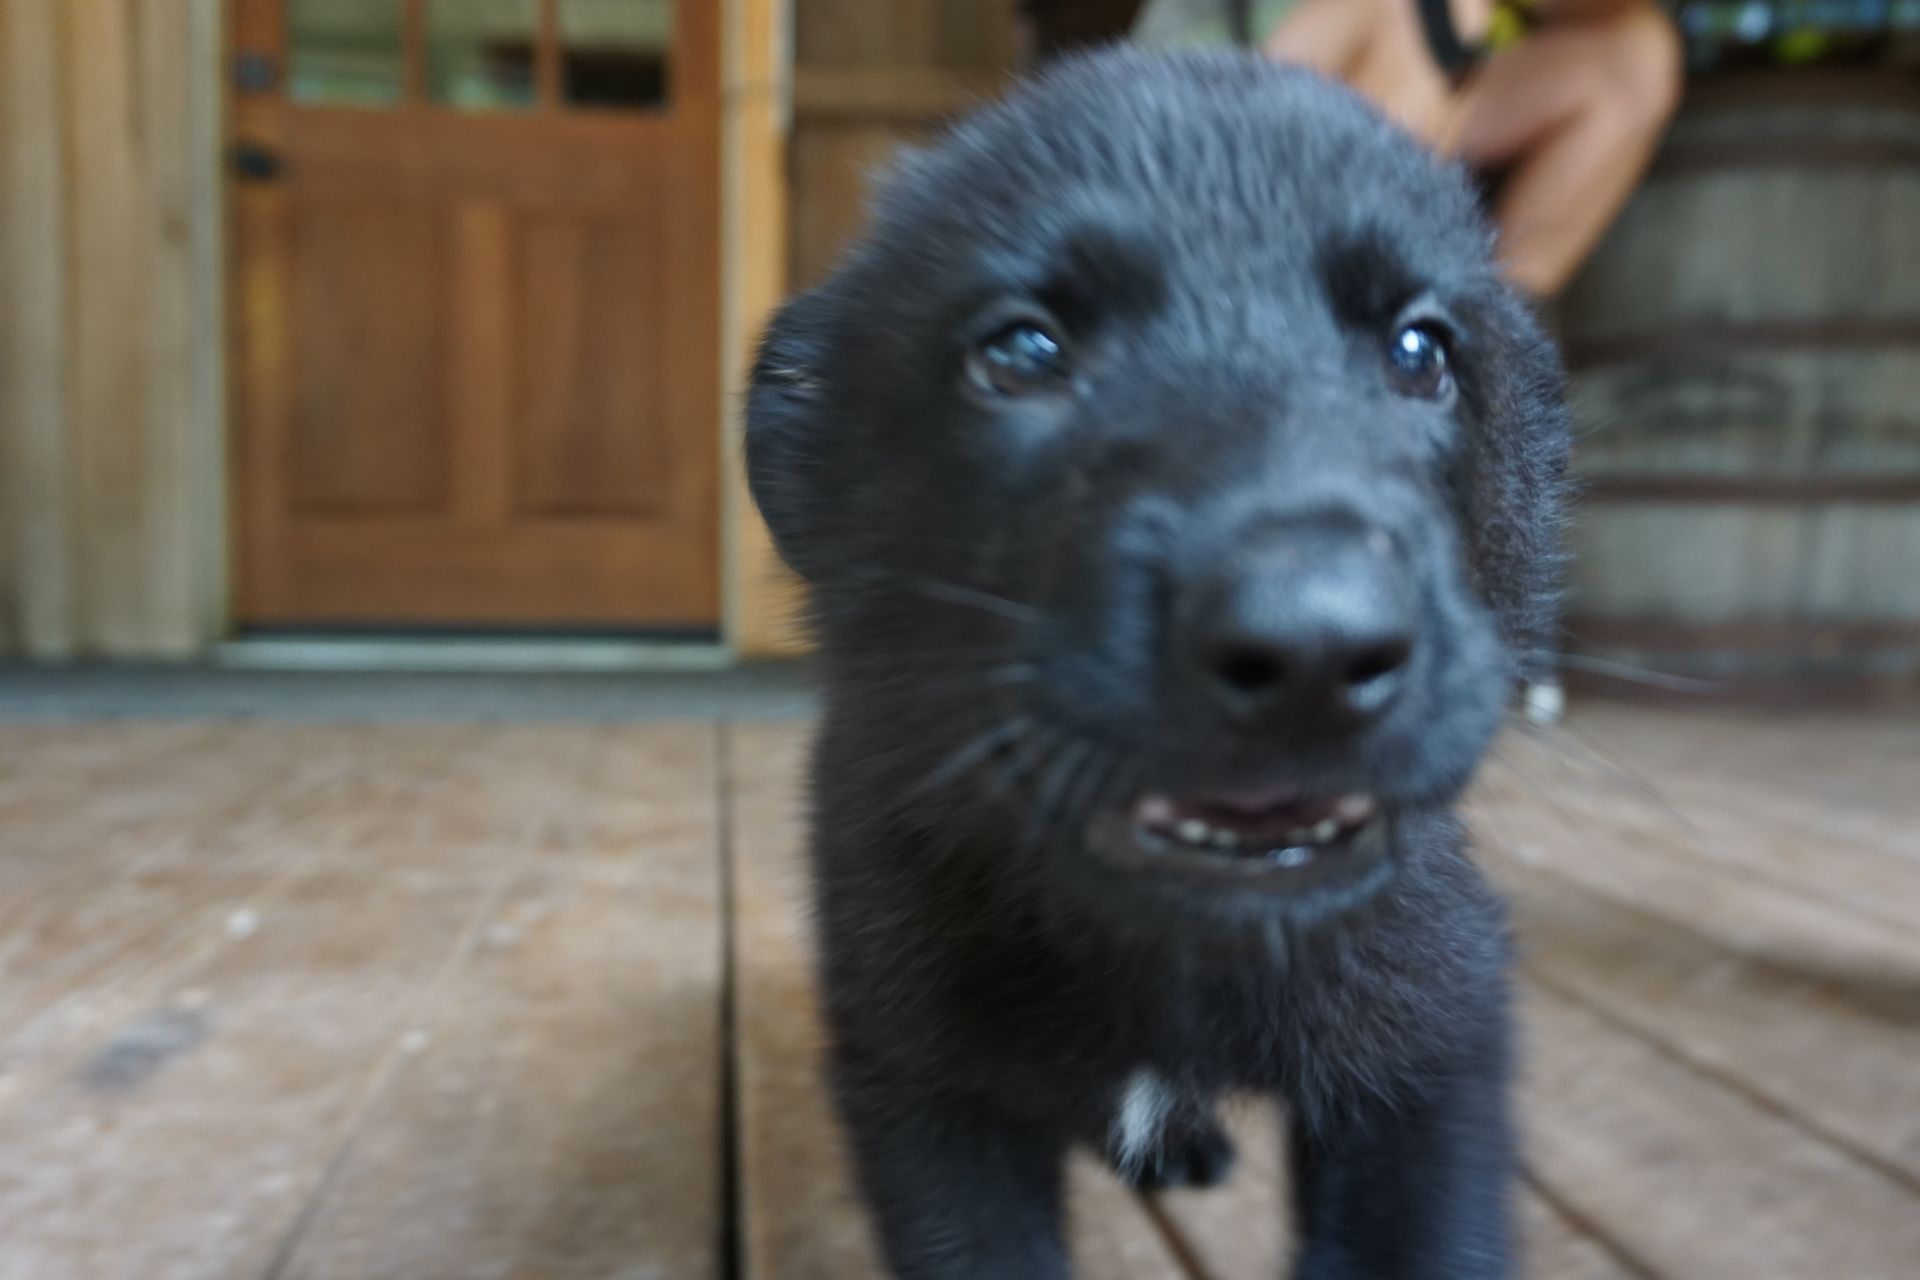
(1273, 838)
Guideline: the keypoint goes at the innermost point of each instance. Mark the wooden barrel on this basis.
(1746, 348)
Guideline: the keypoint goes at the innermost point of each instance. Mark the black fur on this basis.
(1227, 246)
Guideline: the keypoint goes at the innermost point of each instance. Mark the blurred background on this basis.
(401, 712)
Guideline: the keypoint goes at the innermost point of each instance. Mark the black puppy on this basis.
(1176, 482)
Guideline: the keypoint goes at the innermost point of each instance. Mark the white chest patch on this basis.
(1139, 1122)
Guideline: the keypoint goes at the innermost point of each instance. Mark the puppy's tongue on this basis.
(1252, 802)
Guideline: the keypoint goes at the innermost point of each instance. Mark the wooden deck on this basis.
(413, 1002)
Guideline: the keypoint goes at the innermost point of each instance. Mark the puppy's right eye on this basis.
(1022, 359)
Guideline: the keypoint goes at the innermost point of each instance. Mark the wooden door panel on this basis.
(592, 293)
(588, 572)
(603, 161)
(479, 377)
(368, 428)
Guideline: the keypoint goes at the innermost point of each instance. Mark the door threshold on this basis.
(504, 654)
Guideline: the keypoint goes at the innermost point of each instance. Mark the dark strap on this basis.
(1454, 55)
(1240, 20)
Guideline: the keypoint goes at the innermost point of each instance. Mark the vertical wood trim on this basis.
(482, 363)
(260, 26)
(702, 57)
(255, 339)
(548, 67)
(1008, 35)
(261, 383)
(760, 595)
(36, 543)
(209, 90)
(414, 50)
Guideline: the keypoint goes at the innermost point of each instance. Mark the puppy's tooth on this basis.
(1193, 831)
(1154, 810)
(1223, 839)
(1354, 808)
(1325, 830)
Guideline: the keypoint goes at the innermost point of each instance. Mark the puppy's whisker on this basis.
(1542, 789)
(1559, 742)
(972, 656)
(1000, 677)
(970, 597)
(1630, 674)
(1068, 814)
(1051, 742)
(1014, 768)
(1053, 790)
(1084, 799)
(1612, 766)
(968, 755)
(982, 680)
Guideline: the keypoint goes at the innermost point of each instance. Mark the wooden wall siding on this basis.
(113, 467)
(868, 76)
(112, 367)
(1749, 458)
(109, 327)
(33, 544)
(865, 34)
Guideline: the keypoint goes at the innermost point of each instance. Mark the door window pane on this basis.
(617, 53)
(480, 53)
(345, 52)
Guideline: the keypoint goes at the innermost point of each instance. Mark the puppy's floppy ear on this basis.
(785, 428)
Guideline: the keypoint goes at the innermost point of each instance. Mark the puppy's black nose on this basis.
(1308, 631)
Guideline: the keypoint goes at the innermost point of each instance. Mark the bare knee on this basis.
(1639, 65)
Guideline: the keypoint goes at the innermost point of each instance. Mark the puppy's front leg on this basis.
(1415, 1191)
(958, 1190)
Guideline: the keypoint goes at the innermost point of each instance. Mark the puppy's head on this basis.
(1170, 458)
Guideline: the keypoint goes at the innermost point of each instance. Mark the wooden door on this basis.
(477, 312)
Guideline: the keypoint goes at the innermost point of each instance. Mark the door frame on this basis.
(759, 602)
(756, 92)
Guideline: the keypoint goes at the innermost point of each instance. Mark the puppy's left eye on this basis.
(1022, 359)
(1417, 363)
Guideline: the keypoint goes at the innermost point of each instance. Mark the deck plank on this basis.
(1770, 780)
(167, 1117)
(1239, 1231)
(171, 1115)
(1766, 1020)
(556, 1113)
(800, 1219)
(101, 907)
(41, 762)
(1847, 761)
(1555, 1249)
(1588, 807)
(1692, 1179)
(417, 1000)
(232, 1090)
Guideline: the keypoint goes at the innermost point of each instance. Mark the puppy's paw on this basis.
(1189, 1155)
